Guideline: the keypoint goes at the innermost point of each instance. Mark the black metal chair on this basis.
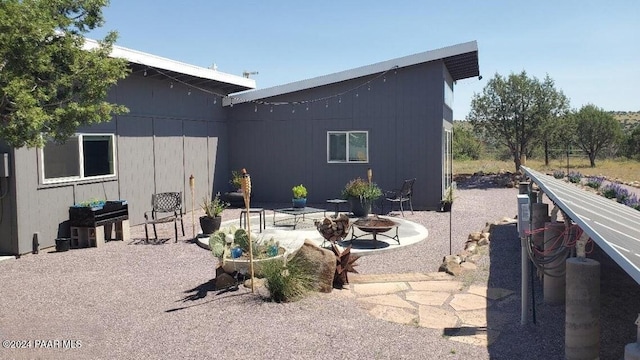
(164, 203)
(401, 195)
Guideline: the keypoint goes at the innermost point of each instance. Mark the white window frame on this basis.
(81, 177)
(347, 161)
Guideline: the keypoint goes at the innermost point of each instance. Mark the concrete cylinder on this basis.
(582, 322)
(539, 218)
(554, 287)
(523, 187)
(632, 351)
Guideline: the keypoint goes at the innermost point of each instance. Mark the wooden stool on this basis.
(261, 214)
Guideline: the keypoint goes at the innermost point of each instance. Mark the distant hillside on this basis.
(629, 119)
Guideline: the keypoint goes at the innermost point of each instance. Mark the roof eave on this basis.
(157, 62)
(449, 52)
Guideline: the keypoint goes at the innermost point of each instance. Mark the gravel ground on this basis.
(128, 300)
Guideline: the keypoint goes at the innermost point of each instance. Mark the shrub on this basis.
(558, 174)
(609, 191)
(574, 177)
(616, 191)
(595, 182)
(291, 282)
(633, 202)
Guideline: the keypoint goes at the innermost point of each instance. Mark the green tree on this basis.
(465, 144)
(596, 129)
(513, 110)
(49, 84)
(632, 143)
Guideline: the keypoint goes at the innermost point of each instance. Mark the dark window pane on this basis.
(97, 152)
(61, 160)
(337, 147)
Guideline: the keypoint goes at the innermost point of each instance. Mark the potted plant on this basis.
(447, 200)
(361, 194)
(235, 197)
(212, 219)
(299, 196)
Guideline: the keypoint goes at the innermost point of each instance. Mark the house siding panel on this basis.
(402, 112)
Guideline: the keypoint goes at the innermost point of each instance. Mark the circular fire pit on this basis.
(375, 226)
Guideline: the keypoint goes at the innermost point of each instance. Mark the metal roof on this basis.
(461, 60)
(157, 66)
(614, 227)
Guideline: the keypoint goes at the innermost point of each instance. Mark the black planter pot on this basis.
(445, 206)
(63, 244)
(210, 225)
(360, 208)
(234, 198)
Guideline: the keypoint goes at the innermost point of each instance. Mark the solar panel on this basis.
(613, 226)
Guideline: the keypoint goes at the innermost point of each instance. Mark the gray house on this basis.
(394, 117)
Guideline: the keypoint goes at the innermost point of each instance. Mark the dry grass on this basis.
(626, 170)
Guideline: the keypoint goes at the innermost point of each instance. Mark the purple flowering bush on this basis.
(574, 177)
(558, 174)
(594, 182)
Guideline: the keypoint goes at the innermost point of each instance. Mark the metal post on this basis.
(523, 188)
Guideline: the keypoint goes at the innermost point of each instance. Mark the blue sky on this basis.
(590, 48)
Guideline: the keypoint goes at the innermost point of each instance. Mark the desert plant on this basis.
(213, 208)
(594, 182)
(574, 177)
(558, 174)
(448, 196)
(622, 195)
(236, 179)
(289, 281)
(299, 192)
(361, 189)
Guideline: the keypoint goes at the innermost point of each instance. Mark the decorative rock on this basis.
(451, 267)
(472, 248)
(485, 235)
(454, 258)
(225, 281)
(466, 266)
(475, 236)
(256, 283)
(325, 264)
(483, 242)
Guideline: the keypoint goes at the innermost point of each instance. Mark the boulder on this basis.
(325, 264)
(451, 267)
(475, 236)
(472, 247)
(455, 258)
(224, 281)
(483, 242)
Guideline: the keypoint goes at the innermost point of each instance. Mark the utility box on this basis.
(4, 165)
(524, 215)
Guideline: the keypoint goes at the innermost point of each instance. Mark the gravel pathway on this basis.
(128, 300)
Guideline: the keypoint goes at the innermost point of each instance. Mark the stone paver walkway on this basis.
(433, 300)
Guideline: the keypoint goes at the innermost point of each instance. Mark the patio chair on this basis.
(401, 195)
(166, 207)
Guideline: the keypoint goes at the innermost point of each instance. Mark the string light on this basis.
(145, 72)
(262, 102)
(189, 93)
(255, 109)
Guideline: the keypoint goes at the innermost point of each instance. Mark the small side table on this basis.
(337, 203)
(261, 214)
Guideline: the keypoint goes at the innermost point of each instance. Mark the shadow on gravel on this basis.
(511, 340)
